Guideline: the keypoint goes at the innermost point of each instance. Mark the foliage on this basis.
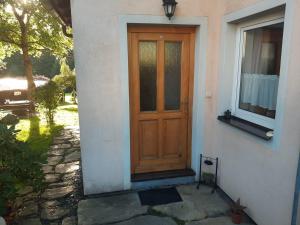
(19, 166)
(237, 208)
(48, 98)
(28, 26)
(2, 57)
(43, 29)
(66, 79)
(47, 65)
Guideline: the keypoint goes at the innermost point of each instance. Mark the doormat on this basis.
(159, 196)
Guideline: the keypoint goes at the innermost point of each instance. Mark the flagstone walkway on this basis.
(63, 203)
(57, 205)
(199, 207)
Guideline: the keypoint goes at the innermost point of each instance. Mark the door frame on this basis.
(169, 29)
(197, 143)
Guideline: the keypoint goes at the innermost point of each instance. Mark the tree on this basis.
(27, 26)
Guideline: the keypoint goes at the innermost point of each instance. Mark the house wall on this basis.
(100, 83)
(261, 174)
(265, 180)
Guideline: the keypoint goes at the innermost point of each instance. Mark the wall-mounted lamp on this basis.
(169, 7)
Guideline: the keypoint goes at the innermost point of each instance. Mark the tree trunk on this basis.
(28, 72)
(28, 67)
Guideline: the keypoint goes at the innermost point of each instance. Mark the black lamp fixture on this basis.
(169, 7)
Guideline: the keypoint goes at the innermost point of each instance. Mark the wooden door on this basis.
(161, 87)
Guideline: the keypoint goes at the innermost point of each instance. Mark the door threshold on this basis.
(162, 175)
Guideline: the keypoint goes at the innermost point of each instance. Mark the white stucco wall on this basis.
(261, 174)
(98, 49)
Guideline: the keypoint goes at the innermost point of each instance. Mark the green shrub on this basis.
(19, 166)
(66, 79)
(48, 97)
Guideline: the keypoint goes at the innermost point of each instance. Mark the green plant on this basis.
(19, 166)
(66, 79)
(48, 98)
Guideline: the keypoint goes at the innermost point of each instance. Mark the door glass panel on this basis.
(148, 75)
(172, 75)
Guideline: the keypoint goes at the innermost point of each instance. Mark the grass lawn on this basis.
(39, 134)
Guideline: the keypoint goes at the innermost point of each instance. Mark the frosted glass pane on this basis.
(172, 75)
(148, 75)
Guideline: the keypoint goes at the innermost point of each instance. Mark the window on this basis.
(258, 74)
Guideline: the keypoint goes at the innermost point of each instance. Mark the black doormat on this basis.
(159, 196)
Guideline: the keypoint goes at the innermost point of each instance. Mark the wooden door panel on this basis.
(160, 88)
(172, 141)
(148, 140)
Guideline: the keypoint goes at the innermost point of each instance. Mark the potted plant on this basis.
(237, 211)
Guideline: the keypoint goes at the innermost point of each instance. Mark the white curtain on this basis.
(259, 90)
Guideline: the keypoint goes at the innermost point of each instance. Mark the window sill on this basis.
(247, 126)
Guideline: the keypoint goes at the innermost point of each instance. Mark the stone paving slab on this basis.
(29, 208)
(67, 167)
(196, 204)
(52, 178)
(60, 184)
(34, 221)
(148, 220)
(54, 160)
(54, 213)
(109, 209)
(73, 156)
(215, 221)
(51, 203)
(56, 152)
(212, 204)
(55, 193)
(69, 221)
(185, 211)
(48, 169)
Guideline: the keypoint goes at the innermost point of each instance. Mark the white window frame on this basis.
(236, 111)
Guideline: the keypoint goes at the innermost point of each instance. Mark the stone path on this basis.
(57, 205)
(199, 207)
(62, 200)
